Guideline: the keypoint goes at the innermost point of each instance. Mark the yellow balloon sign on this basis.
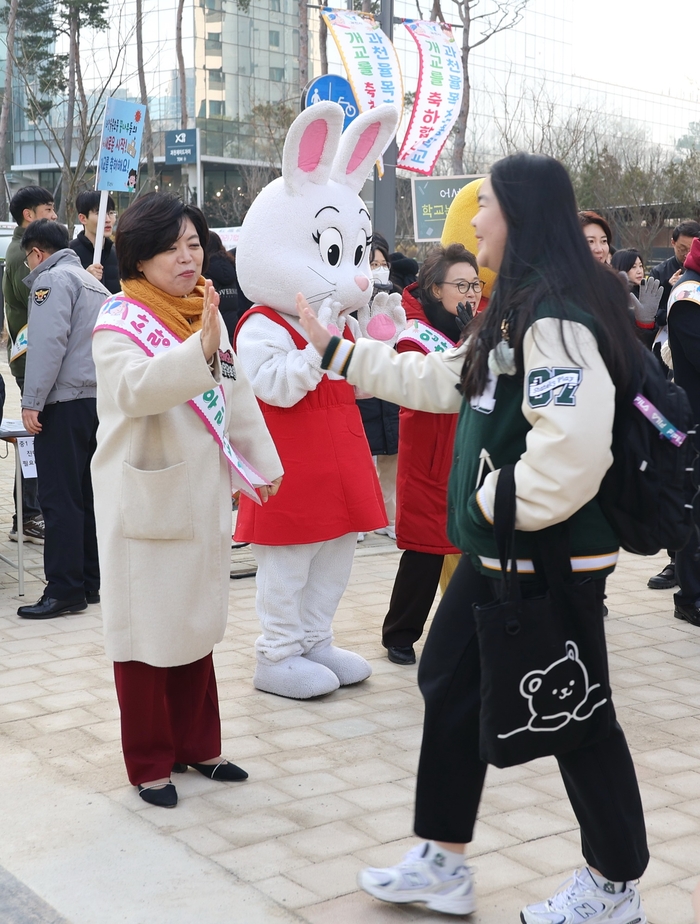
(459, 229)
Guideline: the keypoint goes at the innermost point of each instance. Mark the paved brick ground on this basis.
(331, 782)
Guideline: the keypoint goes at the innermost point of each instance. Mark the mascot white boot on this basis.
(309, 231)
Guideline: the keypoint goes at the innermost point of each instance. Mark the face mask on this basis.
(381, 275)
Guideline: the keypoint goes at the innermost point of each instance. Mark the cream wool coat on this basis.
(163, 497)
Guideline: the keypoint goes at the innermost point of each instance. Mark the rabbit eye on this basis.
(361, 247)
(330, 244)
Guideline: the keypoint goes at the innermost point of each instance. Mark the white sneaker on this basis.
(387, 531)
(582, 900)
(360, 537)
(416, 879)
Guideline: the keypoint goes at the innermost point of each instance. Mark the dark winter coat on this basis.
(222, 272)
(85, 250)
(663, 273)
(381, 422)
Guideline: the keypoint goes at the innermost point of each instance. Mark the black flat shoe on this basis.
(223, 772)
(688, 611)
(48, 607)
(401, 655)
(163, 796)
(179, 768)
(92, 596)
(665, 579)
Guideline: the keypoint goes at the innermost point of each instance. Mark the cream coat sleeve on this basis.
(570, 402)
(413, 380)
(142, 385)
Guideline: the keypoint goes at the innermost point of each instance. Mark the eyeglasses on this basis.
(375, 265)
(464, 287)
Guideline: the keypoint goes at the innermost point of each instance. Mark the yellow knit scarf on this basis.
(183, 315)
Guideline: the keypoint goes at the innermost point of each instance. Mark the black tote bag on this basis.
(544, 670)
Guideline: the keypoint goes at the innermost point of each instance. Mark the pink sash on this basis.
(128, 317)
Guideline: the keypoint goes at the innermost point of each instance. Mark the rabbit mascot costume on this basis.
(309, 231)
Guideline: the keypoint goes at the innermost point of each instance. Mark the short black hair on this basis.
(150, 226)
(29, 197)
(686, 229)
(45, 234)
(624, 260)
(89, 201)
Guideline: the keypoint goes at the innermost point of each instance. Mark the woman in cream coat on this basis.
(163, 494)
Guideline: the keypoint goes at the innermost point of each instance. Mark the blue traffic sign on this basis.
(334, 88)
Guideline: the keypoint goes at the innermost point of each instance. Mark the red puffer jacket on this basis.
(425, 459)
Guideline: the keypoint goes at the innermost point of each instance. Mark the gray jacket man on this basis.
(59, 408)
(64, 302)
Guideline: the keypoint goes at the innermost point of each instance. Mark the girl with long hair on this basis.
(554, 309)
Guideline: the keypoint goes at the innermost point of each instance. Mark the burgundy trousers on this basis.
(168, 715)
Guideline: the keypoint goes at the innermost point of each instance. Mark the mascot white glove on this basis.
(384, 319)
(329, 314)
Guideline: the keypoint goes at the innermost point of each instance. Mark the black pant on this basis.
(600, 780)
(63, 452)
(412, 596)
(688, 572)
(30, 499)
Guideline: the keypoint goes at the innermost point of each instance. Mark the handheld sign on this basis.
(118, 158)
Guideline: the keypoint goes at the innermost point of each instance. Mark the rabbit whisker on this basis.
(322, 277)
(313, 299)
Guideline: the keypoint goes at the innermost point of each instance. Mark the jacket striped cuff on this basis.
(337, 356)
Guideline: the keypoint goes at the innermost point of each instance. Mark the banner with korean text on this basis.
(120, 146)
(370, 60)
(438, 99)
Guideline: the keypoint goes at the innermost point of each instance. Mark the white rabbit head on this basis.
(309, 231)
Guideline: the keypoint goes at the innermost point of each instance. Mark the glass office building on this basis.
(242, 72)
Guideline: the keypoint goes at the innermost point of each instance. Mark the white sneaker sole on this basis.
(637, 917)
(447, 904)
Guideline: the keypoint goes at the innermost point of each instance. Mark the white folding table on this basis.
(10, 432)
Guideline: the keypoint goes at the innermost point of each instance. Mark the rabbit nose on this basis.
(363, 282)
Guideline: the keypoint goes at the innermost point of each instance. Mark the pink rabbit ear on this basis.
(362, 143)
(310, 146)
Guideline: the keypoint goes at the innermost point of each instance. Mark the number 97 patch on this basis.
(561, 384)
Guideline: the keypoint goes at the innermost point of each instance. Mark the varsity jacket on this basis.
(554, 422)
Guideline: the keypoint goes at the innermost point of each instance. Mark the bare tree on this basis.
(481, 20)
(303, 44)
(7, 106)
(143, 93)
(74, 161)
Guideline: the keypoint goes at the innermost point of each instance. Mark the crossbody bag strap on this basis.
(504, 532)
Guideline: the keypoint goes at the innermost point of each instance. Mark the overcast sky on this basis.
(632, 42)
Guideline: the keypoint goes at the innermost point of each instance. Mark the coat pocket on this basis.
(156, 504)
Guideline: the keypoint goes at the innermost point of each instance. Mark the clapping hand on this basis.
(210, 333)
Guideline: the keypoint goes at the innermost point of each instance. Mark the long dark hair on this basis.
(546, 259)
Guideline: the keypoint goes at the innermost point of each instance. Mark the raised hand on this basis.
(384, 319)
(210, 333)
(318, 335)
